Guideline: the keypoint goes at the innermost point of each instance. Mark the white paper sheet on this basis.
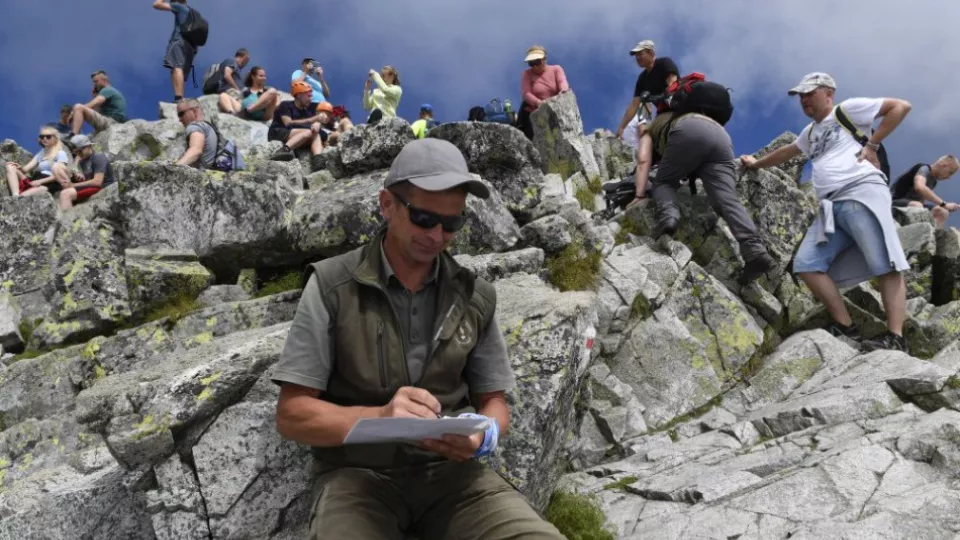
(385, 430)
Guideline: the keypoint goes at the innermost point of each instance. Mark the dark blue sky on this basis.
(456, 55)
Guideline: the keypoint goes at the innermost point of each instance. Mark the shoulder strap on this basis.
(848, 125)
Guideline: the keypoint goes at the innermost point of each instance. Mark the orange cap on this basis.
(325, 106)
(299, 87)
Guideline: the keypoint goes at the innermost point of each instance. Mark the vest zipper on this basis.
(383, 358)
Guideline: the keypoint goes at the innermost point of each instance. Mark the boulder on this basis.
(945, 274)
(614, 157)
(494, 266)
(246, 134)
(501, 155)
(346, 215)
(793, 167)
(157, 277)
(230, 221)
(550, 233)
(88, 291)
(910, 215)
(10, 151)
(558, 136)
(920, 246)
(222, 294)
(550, 337)
(933, 329)
(30, 225)
(140, 140)
(10, 337)
(367, 148)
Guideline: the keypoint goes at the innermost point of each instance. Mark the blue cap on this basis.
(426, 107)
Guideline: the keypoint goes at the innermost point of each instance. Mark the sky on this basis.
(457, 54)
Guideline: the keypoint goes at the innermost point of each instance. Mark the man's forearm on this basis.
(315, 422)
(497, 409)
(326, 89)
(631, 110)
(776, 157)
(189, 157)
(929, 195)
(890, 121)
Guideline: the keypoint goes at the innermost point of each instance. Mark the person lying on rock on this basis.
(696, 146)
(854, 237)
(398, 329)
(40, 175)
(108, 106)
(95, 173)
(257, 101)
(538, 83)
(915, 188)
(295, 124)
(329, 123)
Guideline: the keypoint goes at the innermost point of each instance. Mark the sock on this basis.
(177, 99)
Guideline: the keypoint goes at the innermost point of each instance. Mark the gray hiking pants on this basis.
(701, 146)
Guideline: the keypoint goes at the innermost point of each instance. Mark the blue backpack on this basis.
(494, 112)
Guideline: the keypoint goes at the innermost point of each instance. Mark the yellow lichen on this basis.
(200, 339)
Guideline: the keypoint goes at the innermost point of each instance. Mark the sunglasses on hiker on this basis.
(44, 136)
(426, 219)
(534, 63)
(184, 111)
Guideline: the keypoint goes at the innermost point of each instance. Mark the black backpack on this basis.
(904, 184)
(477, 114)
(195, 29)
(212, 77)
(694, 94)
(863, 139)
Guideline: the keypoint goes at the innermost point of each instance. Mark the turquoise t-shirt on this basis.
(318, 96)
(115, 105)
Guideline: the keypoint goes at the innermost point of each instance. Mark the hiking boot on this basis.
(317, 162)
(838, 330)
(756, 267)
(666, 226)
(887, 340)
(283, 154)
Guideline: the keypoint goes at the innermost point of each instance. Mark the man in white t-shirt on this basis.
(854, 237)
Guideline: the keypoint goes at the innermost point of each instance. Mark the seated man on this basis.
(202, 138)
(915, 188)
(230, 83)
(295, 123)
(96, 173)
(348, 357)
(65, 126)
(695, 145)
(426, 121)
(107, 107)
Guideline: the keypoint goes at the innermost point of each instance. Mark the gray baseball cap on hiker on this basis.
(80, 141)
(433, 165)
(812, 81)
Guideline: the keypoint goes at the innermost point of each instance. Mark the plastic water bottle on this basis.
(507, 106)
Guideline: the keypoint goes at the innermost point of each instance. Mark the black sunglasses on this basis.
(44, 136)
(426, 219)
(534, 63)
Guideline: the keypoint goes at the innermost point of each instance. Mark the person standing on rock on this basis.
(657, 75)
(915, 188)
(295, 124)
(382, 101)
(95, 173)
(694, 145)
(854, 237)
(180, 52)
(538, 83)
(397, 329)
(108, 106)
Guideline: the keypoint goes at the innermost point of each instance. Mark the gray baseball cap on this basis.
(812, 81)
(80, 141)
(433, 165)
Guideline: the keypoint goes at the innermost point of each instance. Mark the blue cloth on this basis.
(318, 96)
(850, 223)
(490, 438)
(180, 13)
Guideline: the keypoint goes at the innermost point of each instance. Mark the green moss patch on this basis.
(287, 282)
(622, 483)
(578, 517)
(174, 310)
(586, 199)
(575, 269)
(627, 227)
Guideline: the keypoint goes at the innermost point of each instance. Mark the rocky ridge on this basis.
(139, 330)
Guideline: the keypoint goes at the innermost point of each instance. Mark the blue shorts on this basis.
(854, 223)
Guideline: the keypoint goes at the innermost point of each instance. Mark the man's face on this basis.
(325, 117)
(815, 102)
(243, 61)
(418, 243)
(187, 114)
(84, 153)
(302, 99)
(99, 82)
(943, 169)
(644, 58)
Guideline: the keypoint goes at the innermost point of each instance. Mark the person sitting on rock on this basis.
(657, 75)
(329, 123)
(180, 52)
(695, 145)
(295, 124)
(397, 329)
(258, 102)
(40, 175)
(108, 106)
(425, 122)
(65, 125)
(854, 237)
(95, 173)
(915, 188)
(382, 101)
(202, 138)
(311, 73)
(230, 85)
(538, 83)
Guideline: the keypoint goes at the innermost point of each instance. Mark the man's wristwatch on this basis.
(943, 204)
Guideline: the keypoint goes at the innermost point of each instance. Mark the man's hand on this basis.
(315, 127)
(869, 154)
(371, 73)
(620, 133)
(412, 402)
(15, 165)
(455, 447)
(749, 162)
(951, 207)
(319, 71)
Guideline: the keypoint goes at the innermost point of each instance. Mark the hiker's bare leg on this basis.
(13, 179)
(34, 191)
(824, 288)
(268, 101)
(345, 125)
(298, 138)
(893, 291)
(176, 78)
(67, 197)
(316, 145)
(80, 114)
(644, 159)
(229, 104)
(940, 216)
